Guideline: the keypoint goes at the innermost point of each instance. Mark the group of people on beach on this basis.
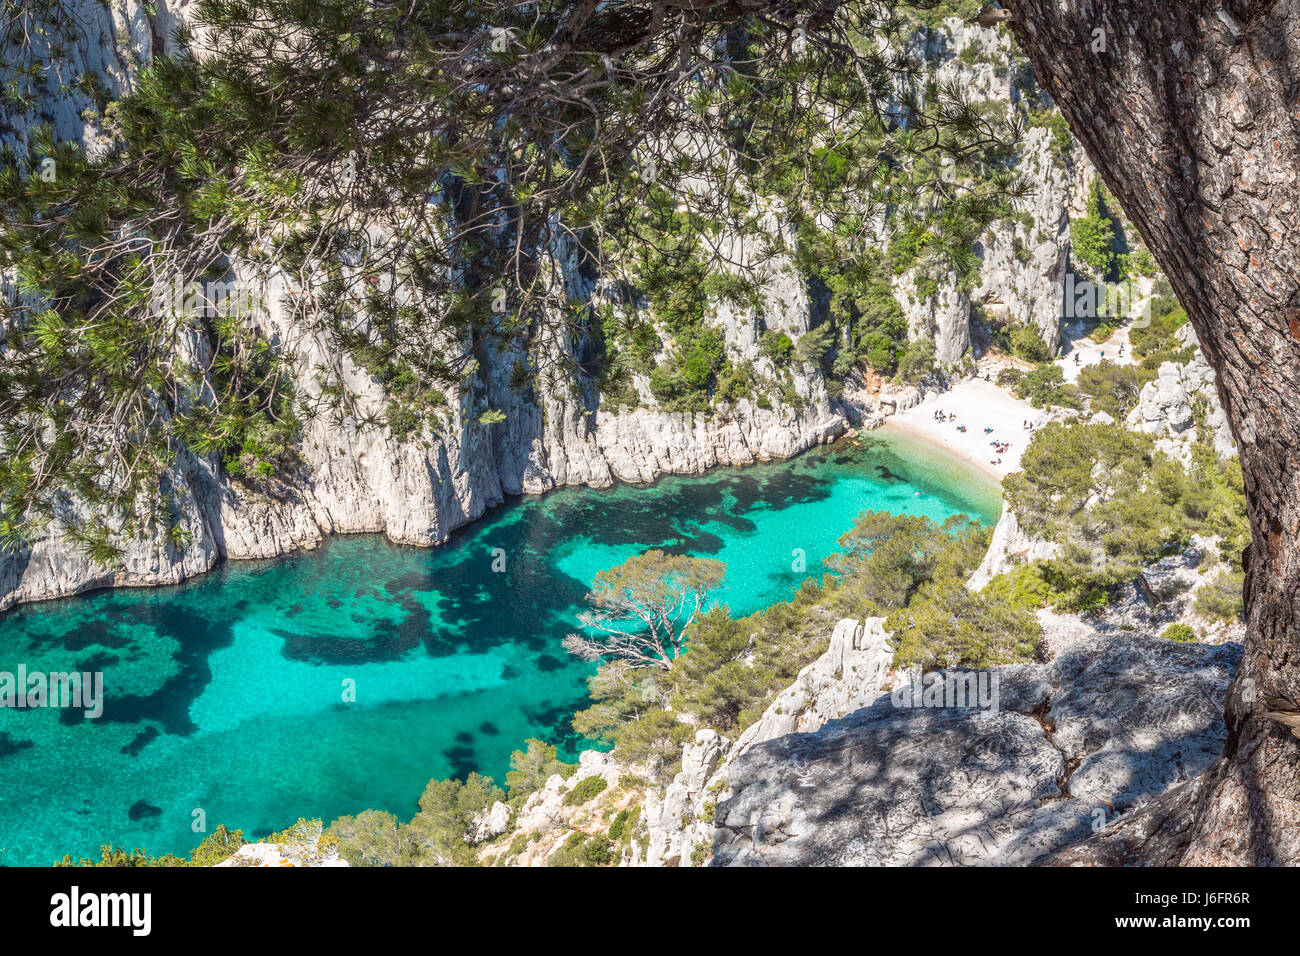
(999, 447)
(941, 416)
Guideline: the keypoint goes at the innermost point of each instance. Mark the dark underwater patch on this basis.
(142, 740)
(143, 810)
(10, 745)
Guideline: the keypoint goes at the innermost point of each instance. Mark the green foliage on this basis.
(532, 767)
(946, 625)
(374, 838)
(1010, 377)
(640, 609)
(584, 790)
(579, 849)
(915, 571)
(918, 360)
(1115, 504)
(1156, 340)
(1027, 587)
(736, 667)
(447, 808)
(1141, 262)
(621, 826)
(1045, 386)
(120, 857)
(434, 836)
(933, 13)
(777, 346)
(1092, 237)
(1182, 633)
(221, 844)
(864, 320)
(1051, 118)
(1111, 388)
(683, 382)
(1221, 598)
(1028, 344)
(813, 345)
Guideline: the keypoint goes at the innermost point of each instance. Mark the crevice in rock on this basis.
(1043, 714)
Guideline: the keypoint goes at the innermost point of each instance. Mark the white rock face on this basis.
(852, 673)
(1024, 262)
(1009, 547)
(672, 819)
(1165, 407)
(943, 317)
(1114, 721)
(490, 823)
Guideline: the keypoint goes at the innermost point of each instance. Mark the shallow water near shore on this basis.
(226, 695)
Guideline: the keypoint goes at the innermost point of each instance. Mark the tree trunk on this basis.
(1191, 114)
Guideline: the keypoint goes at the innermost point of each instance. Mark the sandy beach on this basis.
(978, 405)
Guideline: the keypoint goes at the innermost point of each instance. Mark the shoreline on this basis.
(904, 431)
(976, 404)
(908, 429)
(906, 425)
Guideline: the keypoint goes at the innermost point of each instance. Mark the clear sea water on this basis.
(225, 694)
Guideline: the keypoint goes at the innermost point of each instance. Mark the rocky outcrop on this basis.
(492, 822)
(1023, 261)
(1071, 746)
(672, 820)
(417, 489)
(942, 316)
(1166, 407)
(1009, 547)
(851, 674)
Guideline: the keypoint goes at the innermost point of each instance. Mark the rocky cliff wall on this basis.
(363, 479)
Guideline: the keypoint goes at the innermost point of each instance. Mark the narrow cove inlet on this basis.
(329, 682)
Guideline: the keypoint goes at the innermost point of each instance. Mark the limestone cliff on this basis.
(418, 489)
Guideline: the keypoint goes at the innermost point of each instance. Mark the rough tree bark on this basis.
(1191, 114)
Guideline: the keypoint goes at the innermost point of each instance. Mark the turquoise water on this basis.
(226, 694)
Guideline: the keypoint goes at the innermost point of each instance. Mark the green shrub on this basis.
(532, 767)
(1010, 377)
(1092, 237)
(1115, 503)
(584, 790)
(777, 346)
(1111, 388)
(1028, 344)
(579, 849)
(1221, 597)
(918, 361)
(1028, 587)
(621, 826)
(1046, 386)
(946, 625)
(814, 344)
(1181, 633)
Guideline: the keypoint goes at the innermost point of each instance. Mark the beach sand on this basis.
(1091, 353)
(978, 405)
